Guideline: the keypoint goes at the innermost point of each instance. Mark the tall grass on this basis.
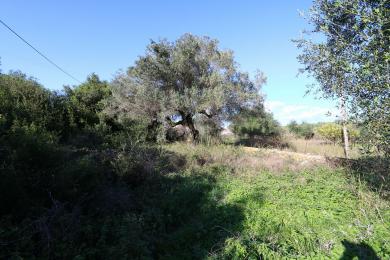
(320, 147)
(308, 213)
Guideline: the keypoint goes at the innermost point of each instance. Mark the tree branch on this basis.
(172, 123)
(203, 112)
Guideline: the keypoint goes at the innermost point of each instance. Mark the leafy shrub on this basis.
(255, 122)
(86, 102)
(303, 130)
(330, 131)
(29, 157)
(256, 127)
(25, 100)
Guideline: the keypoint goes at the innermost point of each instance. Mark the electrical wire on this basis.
(39, 52)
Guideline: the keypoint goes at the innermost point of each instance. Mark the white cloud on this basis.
(271, 105)
(284, 113)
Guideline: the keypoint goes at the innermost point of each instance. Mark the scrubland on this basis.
(274, 204)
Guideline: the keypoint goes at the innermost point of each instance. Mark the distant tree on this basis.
(175, 81)
(251, 122)
(330, 131)
(293, 127)
(351, 61)
(307, 130)
(86, 101)
(304, 130)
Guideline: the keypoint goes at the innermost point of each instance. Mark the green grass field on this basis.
(241, 210)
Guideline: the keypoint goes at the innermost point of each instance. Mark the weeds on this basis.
(212, 202)
(320, 147)
(317, 212)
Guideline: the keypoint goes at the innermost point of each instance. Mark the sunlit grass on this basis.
(306, 214)
(320, 147)
(315, 213)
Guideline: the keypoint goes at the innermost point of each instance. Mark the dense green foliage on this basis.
(86, 102)
(315, 213)
(52, 183)
(74, 174)
(286, 217)
(333, 132)
(351, 62)
(174, 82)
(255, 122)
(23, 100)
(304, 130)
(256, 127)
(330, 131)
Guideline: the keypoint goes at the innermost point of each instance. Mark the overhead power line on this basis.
(39, 52)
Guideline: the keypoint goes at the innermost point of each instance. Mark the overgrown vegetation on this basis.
(77, 167)
(286, 211)
(91, 172)
(322, 139)
(256, 127)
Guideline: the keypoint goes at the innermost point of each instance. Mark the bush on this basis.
(86, 102)
(25, 100)
(303, 130)
(29, 158)
(330, 131)
(256, 127)
(255, 122)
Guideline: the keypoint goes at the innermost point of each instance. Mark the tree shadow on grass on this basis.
(374, 171)
(196, 221)
(361, 251)
(176, 213)
(155, 208)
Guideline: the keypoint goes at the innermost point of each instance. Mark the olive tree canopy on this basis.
(349, 57)
(176, 81)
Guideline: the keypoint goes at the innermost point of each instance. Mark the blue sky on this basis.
(105, 36)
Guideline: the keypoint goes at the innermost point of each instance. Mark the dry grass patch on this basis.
(242, 158)
(320, 147)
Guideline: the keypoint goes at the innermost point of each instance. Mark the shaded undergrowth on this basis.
(138, 202)
(358, 250)
(373, 171)
(197, 202)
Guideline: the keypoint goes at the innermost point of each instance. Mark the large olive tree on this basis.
(176, 81)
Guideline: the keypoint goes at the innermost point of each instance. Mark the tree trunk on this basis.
(345, 130)
(186, 120)
(190, 123)
(346, 142)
